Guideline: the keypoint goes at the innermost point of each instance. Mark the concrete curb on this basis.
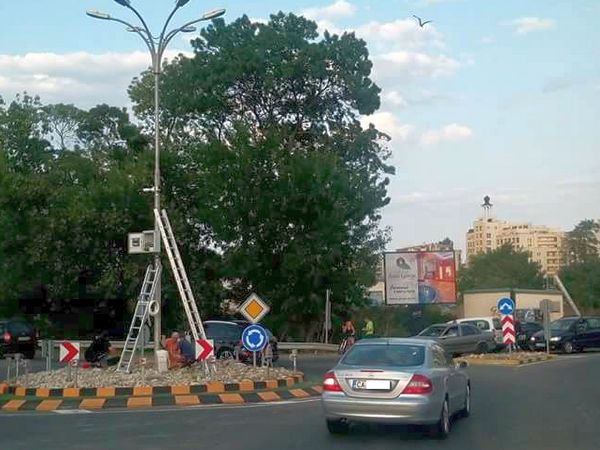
(144, 391)
(506, 362)
(91, 404)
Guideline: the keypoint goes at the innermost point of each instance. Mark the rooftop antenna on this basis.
(487, 207)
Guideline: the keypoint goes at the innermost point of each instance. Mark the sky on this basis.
(493, 97)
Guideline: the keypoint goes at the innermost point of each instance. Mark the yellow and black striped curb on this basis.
(133, 402)
(506, 362)
(215, 387)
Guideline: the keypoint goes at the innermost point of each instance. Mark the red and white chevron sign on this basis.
(508, 329)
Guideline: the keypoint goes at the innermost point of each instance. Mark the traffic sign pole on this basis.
(255, 339)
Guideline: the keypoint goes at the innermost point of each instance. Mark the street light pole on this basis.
(156, 66)
(157, 47)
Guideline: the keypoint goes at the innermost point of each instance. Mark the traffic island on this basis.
(505, 359)
(213, 393)
(227, 371)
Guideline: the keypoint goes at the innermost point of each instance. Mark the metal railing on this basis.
(301, 346)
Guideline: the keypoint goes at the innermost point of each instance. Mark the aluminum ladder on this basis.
(180, 275)
(140, 317)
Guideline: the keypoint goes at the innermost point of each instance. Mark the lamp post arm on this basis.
(147, 38)
(139, 16)
(169, 37)
(168, 21)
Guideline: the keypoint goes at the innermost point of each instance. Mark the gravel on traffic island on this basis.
(226, 372)
(506, 355)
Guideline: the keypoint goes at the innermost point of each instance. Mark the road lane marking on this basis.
(72, 411)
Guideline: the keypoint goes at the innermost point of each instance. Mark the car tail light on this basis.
(419, 384)
(7, 337)
(330, 383)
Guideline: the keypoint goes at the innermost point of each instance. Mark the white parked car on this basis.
(489, 324)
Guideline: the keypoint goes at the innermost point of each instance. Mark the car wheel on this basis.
(441, 429)
(337, 426)
(225, 354)
(481, 348)
(568, 347)
(466, 411)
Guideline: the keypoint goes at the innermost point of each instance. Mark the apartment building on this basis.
(544, 244)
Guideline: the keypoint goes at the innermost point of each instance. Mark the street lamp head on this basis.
(189, 29)
(126, 3)
(98, 15)
(181, 3)
(213, 14)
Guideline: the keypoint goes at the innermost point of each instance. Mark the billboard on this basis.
(420, 278)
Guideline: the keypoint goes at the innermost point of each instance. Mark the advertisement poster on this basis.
(420, 278)
(401, 278)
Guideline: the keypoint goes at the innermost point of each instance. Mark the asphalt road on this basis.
(546, 406)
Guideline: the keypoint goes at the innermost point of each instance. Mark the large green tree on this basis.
(504, 267)
(582, 280)
(63, 213)
(266, 153)
(582, 244)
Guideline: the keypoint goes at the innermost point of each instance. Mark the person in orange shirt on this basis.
(172, 347)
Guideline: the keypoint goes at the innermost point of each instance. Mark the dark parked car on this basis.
(570, 334)
(227, 336)
(457, 338)
(17, 336)
(524, 331)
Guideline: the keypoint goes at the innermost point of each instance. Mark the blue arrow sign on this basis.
(255, 338)
(506, 306)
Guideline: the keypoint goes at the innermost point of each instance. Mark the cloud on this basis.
(405, 33)
(449, 133)
(339, 9)
(394, 98)
(567, 81)
(401, 66)
(525, 25)
(82, 78)
(389, 124)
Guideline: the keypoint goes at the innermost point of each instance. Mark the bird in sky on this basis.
(421, 23)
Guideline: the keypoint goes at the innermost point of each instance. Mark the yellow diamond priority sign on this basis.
(254, 309)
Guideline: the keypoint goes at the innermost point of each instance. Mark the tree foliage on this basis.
(582, 280)
(504, 267)
(271, 183)
(582, 242)
(268, 156)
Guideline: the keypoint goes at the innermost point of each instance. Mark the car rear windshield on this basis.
(396, 355)
(435, 330)
(20, 328)
(481, 324)
(562, 324)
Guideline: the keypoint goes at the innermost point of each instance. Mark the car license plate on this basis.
(540, 344)
(375, 385)
(24, 338)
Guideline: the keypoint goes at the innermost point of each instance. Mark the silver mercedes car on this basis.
(396, 381)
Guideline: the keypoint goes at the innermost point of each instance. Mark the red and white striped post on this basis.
(508, 330)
